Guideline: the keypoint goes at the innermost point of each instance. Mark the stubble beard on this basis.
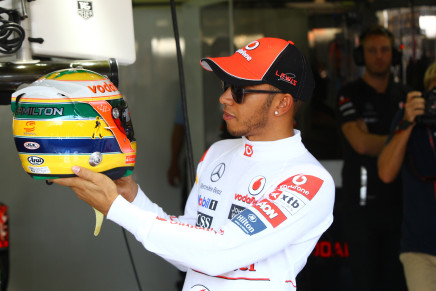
(377, 73)
(255, 123)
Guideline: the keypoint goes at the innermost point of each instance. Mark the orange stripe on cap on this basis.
(251, 62)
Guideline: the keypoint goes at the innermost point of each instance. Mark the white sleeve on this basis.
(283, 218)
(143, 202)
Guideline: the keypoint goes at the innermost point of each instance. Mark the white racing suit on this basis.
(252, 218)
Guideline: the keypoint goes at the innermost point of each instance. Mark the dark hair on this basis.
(371, 31)
(376, 30)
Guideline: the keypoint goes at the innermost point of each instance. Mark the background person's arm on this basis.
(363, 142)
(392, 156)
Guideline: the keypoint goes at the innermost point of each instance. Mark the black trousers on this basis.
(373, 235)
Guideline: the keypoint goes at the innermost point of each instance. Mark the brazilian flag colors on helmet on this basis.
(73, 117)
(267, 60)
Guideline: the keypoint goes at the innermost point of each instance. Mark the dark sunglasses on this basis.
(238, 92)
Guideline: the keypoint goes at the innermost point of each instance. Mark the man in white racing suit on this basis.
(259, 204)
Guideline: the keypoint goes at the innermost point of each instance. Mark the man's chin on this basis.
(379, 73)
(235, 133)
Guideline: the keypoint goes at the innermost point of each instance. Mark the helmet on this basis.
(73, 117)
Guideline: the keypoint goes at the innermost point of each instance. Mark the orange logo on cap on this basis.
(252, 45)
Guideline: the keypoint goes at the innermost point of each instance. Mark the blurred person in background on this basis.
(411, 151)
(372, 212)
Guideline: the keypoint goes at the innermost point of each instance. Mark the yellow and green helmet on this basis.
(73, 117)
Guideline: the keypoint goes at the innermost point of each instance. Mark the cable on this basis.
(11, 34)
(10, 45)
(183, 95)
(186, 124)
(131, 259)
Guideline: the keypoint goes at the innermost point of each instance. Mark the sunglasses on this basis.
(238, 92)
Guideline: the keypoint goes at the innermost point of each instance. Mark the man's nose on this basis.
(226, 97)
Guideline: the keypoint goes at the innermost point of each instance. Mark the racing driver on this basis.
(260, 202)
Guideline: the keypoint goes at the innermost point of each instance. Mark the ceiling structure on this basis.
(322, 13)
(309, 4)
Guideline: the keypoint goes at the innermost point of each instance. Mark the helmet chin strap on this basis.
(98, 221)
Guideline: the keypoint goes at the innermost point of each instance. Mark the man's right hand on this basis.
(415, 105)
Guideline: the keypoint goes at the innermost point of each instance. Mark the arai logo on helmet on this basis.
(30, 145)
(36, 161)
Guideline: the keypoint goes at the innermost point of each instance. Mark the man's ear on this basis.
(286, 102)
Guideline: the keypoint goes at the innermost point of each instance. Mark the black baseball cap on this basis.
(267, 60)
